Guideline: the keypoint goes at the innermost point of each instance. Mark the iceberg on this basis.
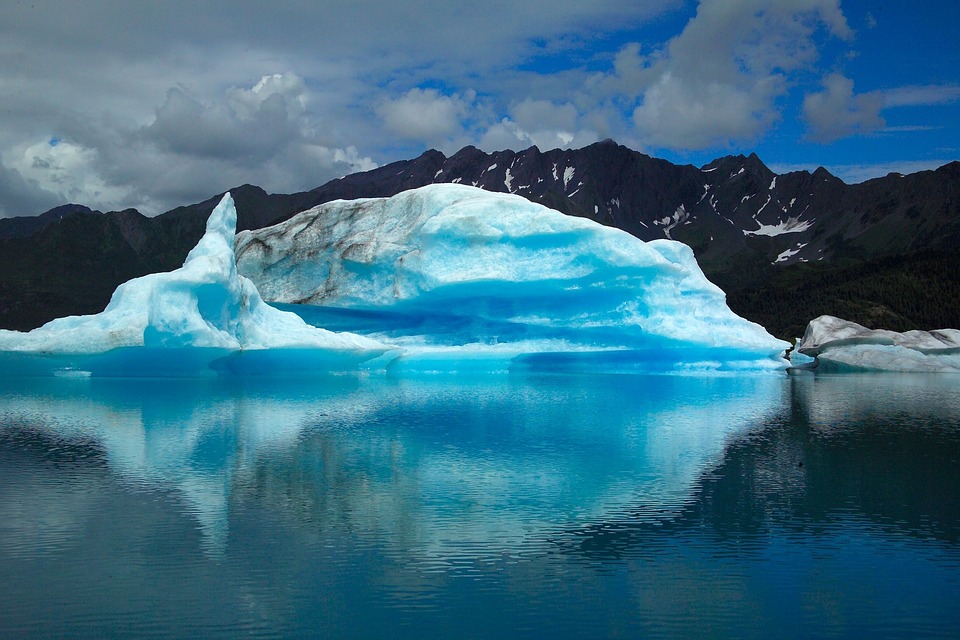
(459, 277)
(840, 345)
(444, 278)
(201, 318)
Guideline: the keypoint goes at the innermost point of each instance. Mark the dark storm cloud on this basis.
(21, 198)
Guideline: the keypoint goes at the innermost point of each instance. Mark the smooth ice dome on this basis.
(464, 273)
(204, 306)
(841, 345)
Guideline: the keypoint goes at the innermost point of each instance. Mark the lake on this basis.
(530, 506)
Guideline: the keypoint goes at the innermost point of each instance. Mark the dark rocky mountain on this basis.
(26, 226)
(734, 206)
(786, 247)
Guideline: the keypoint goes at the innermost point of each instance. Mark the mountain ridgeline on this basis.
(786, 248)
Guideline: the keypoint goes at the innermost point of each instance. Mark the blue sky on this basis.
(157, 104)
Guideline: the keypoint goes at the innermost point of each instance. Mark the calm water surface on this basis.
(553, 506)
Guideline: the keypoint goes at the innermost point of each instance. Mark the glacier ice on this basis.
(198, 318)
(443, 278)
(461, 277)
(841, 345)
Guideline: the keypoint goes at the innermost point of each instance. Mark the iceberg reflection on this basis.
(446, 468)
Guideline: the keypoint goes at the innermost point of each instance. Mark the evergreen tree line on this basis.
(911, 291)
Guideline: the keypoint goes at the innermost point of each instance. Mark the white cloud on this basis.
(162, 107)
(920, 95)
(719, 80)
(351, 158)
(425, 114)
(546, 124)
(678, 114)
(908, 128)
(264, 134)
(507, 134)
(63, 168)
(837, 112)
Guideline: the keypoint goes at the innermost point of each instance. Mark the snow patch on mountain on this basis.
(789, 253)
(669, 223)
(759, 211)
(790, 225)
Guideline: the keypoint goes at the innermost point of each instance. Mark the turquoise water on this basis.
(508, 506)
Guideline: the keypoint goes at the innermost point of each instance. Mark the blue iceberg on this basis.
(463, 279)
(445, 278)
(202, 318)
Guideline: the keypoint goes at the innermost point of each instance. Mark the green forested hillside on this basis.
(911, 291)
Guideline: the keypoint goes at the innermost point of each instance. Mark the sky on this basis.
(152, 105)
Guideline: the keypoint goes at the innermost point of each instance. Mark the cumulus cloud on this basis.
(448, 122)
(680, 115)
(263, 134)
(166, 105)
(248, 125)
(426, 114)
(719, 80)
(545, 115)
(21, 196)
(163, 106)
(63, 168)
(538, 122)
(837, 112)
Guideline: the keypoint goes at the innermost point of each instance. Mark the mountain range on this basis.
(786, 248)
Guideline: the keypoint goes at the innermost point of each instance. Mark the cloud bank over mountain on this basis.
(159, 105)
